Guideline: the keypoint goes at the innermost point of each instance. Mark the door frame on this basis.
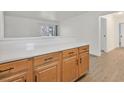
(1, 25)
(120, 34)
(100, 34)
(104, 33)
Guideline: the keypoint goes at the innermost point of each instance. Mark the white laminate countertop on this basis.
(31, 50)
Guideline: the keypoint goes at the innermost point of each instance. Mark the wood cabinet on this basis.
(66, 66)
(17, 71)
(75, 63)
(70, 65)
(83, 60)
(47, 67)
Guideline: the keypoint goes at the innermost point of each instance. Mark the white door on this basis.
(103, 34)
(122, 35)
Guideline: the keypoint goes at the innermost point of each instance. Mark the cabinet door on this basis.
(16, 71)
(70, 69)
(48, 73)
(83, 63)
(20, 77)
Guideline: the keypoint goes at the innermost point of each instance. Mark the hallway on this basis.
(106, 68)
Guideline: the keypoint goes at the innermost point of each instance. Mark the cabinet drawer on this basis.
(70, 52)
(84, 49)
(46, 59)
(20, 77)
(11, 68)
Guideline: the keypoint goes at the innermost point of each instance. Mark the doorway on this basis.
(103, 34)
(121, 35)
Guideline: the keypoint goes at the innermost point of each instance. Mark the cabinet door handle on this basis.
(50, 58)
(80, 60)
(6, 70)
(77, 61)
(35, 78)
(71, 52)
(47, 62)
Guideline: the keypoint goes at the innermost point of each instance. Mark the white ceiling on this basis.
(48, 15)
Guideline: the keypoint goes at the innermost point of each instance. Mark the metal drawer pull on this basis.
(48, 58)
(6, 70)
(47, 62)
(71, 52)
(77, 62)
(35, 79)
(80, 60)
(85, 50)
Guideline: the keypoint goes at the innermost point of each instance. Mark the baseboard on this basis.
(93, 55)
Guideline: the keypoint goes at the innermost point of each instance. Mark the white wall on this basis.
(1, 25)
(80, 28)
(20, 43)
(84, 27)
(23, 27)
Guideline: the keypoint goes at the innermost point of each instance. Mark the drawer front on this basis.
(8, 69)
(46, 59)
(20, 77)
(84, 49)
(70, 52)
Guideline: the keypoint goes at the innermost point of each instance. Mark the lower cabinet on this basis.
(17, 71)
(70, 65)
(70, 69)
(83, 63)
(75, 63)
(83, 60)
(47, 68)
(48, 73)
(66, 66)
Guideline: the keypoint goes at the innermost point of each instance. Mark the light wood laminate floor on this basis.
(107, 68)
